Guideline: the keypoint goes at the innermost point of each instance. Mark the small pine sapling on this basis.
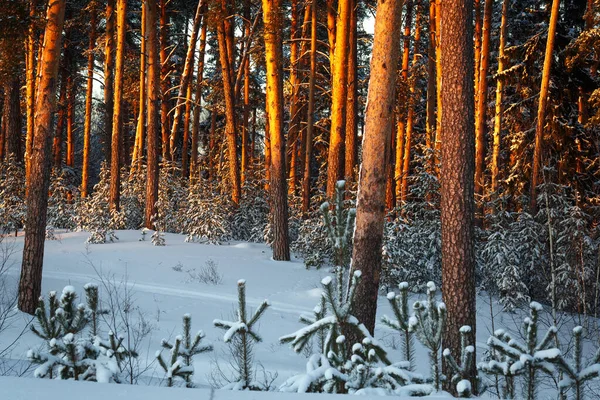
(575, 374)
(182, 353)
(143, 234)
(340, 226)
(527, 358)
(500, 365)
(158, 238)
(427, 323)
(48, 327)
(461, 372)
(114, 350)
(399, 303)
(243, 330)
(319, 313)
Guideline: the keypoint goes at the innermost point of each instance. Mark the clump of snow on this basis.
(464, 386)
(324, 207)
(340, 339)
(340, 184)
(68, 290)
(465, 329)
(577, 330)
(391, 296)
(446, 352)
(536, 306)
(357, 273)
(326, 281)
(241, 282)
(431, 286)
(90, 285)
(403, 285)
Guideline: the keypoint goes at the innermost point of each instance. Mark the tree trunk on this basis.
(499, 97)
(481, 106)
(477, 40)
(117, 123)
(368, 234)
(311, 110)
(198, 105)
(70, 150)
(138, 149)
(335, 159)
(438, 85)
(154, 95)
(246, 70)
(186, 78)
(30, 283)
(61, 117)
(351, 144)
(294, 127)
(109, 77)
(272, 15)
(541, 114)
(30, 67)
(411, 106)
(431, 90)
(165, 78)
(87, 126)
(12, 117)
(226, 68)
(457, 174)
(267, 153)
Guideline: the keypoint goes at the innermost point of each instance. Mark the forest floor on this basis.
(163, 286)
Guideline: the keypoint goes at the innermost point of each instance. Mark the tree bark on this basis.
(12, 117)
(30, 65)
(294, 127)
(542, 102)
(138, 148)
(109, 77)
(368, 233)
(117, 122)
(154, 95)
(499, 98)
(457, 174)
(198, 105)
(351, 145)
(165, 72)
(37, 197)
(87, 126)
(311, 109)
(272, 15)
(431, 90)
(335, 159)
(70, 150)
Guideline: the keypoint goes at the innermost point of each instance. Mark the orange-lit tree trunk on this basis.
(311, 109)
(335, 159)
(186, 78)
(368, 234)
(331, 32)
(431, 90)
(477, 40)
(230, 135)
(267, 152)
(294, 128)
(438, 84)
(410, 118)
(246, 110)
(272, 15)
(30, 67)
(481, 108)
(153, 116)
(87, 125)
(138, 147)
(165, 72)
(541, 114)
(351, 145)
(61, 117)
(30, 283)
(198, 105)
(117, 122)
(109, 77)
(402, 109)
(499, 97)
(457, 173)
(70, 150)
(12, 117)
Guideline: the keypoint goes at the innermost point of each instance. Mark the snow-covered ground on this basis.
(164, 291)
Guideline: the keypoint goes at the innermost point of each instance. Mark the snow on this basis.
(326, 281)
(464, 386)
(391, 296)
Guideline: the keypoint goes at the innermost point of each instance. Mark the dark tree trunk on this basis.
(12, 118)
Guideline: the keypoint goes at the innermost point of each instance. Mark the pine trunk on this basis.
(351, 145)
(117, 122)
(61, 118)
(87, 125)
(30, 67)
(165, 78)
(457, 174)
(109, 77)
(311, 109)
(138, 148)
(12, 117)
(294, 128)
(37, 197)
(368, 233)
(70, 150)
(431, 90)
(499, 98)
(198, 105)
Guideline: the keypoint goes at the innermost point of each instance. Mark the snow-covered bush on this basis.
(249, 220)
(241, 335)
(461, 377)
(206, 216)
(12, 196)
(181, 353)
(133, 197)
(399, 304)
(62, 206)
(312, 243)
(172, 198)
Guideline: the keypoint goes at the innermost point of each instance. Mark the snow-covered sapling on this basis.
(527, 358)
(158, 238)
(461, 377)
(243, 330)
(182, 352)
(575, 373)
(399, 303)
(428, 323)
(143, 234)
(340, 226)
(500, 365)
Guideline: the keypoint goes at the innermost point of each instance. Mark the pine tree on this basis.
(401, 324)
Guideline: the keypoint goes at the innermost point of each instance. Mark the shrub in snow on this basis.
(206, 216)
(399, 303)
(172, 198)
(249, 220)
(312, 243)
(428, 323)
(12, 195)
(241, 334)
(340, 227)
(209, 274)
(158, 238)
(133, 197)
(181, 353)
(461, 377)
(61, 205)
(524, 359)
(575, 372)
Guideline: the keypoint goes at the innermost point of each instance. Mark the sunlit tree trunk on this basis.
(352, 98)
(138, 147)
(294, 128)
(411, 106)
(186, 78)
(439, 78)
(541, 114)
(267, 153)
(115, 163)
(457, 174)
(87, 125)
(30, 67)
(331, 31)
(335, 159)
(477, 39)
(499, 97)
(311, 109)
(246, 110)
(12, 117)
(431, 90)
(368, 234)
(37, 197)
(272, 15)
(153, 116)
(61, 115)
(481, 106)
(198, 105)
(70, 150)
(230, 133)
(109, 77)
(165, 78)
